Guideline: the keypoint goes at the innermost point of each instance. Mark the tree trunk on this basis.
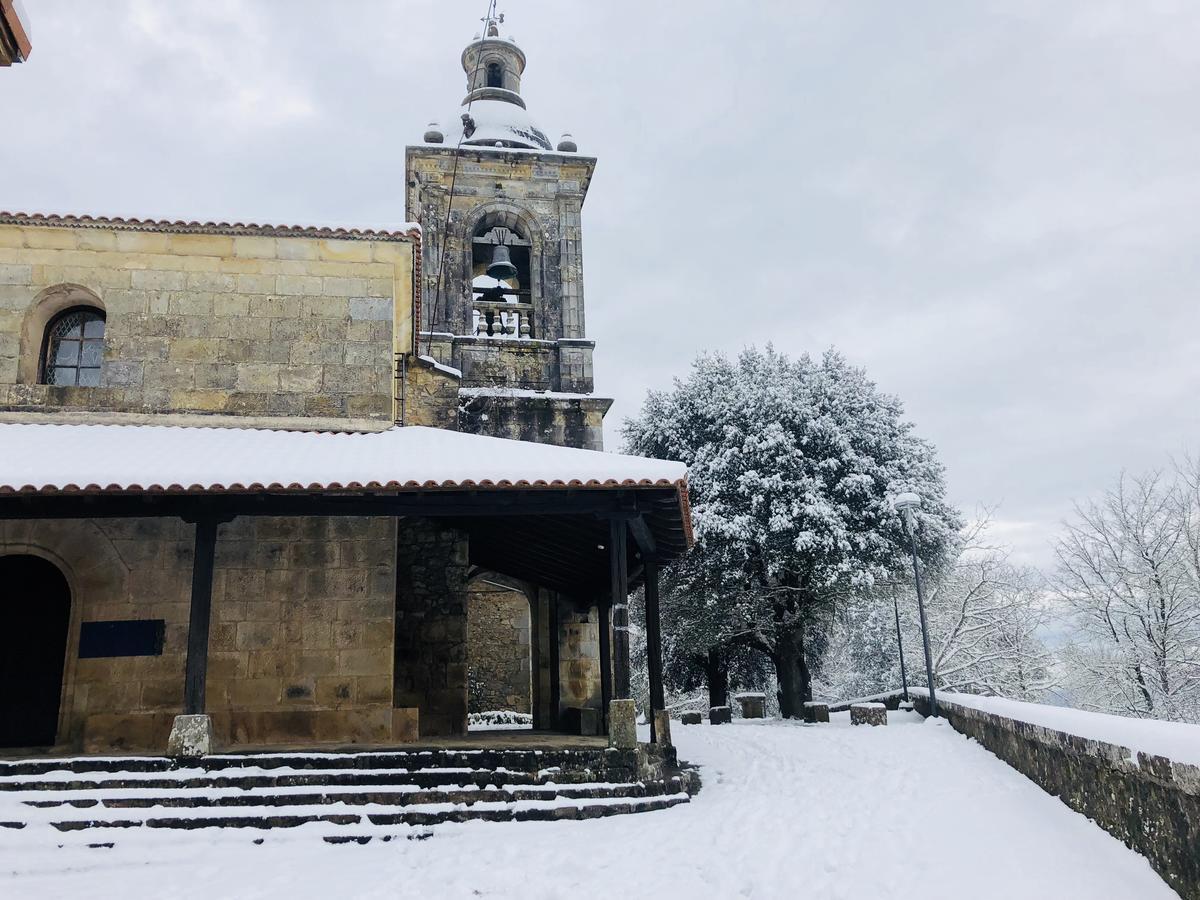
(791, 670)
(717, 672)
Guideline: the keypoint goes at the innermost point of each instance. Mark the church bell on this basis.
(501, 267)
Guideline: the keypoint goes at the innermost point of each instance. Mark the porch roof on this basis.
(165, 459)
(533, 511)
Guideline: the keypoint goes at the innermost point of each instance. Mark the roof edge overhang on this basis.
(15, 33)
(663, 505)
(408, 232)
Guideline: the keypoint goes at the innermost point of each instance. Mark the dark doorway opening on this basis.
(35, 614)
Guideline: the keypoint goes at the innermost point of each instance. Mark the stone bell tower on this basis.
(502, 264)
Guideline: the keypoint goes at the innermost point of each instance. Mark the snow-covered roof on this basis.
(37, 458)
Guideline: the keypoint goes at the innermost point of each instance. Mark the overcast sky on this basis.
(992, 206)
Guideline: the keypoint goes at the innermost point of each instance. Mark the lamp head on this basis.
(907, 501)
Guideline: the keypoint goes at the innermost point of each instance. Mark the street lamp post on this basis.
(900, 644)
(906, 503)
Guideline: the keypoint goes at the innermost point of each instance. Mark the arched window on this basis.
(495, 75)
(73, 348)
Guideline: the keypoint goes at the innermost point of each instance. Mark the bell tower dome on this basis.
(502, 258)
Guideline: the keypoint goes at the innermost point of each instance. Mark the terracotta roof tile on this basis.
(407, 232)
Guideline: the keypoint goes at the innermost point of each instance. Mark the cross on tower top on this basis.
(491, 24)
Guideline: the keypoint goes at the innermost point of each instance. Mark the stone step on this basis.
(359, 798)
(519, 760)
(432, 778)
(510, 813)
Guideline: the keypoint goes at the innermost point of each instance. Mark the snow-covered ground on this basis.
(787, 810)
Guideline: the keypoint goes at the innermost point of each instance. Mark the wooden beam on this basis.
(643, 537)
(618, 549)
(658, 699)
(196, 668)
(433, 504)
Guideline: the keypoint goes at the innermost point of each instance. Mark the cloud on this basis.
(991, 206)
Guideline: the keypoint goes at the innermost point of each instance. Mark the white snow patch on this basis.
(1176, 741)
(442, 367)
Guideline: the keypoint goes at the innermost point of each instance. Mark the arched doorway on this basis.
(35, 613)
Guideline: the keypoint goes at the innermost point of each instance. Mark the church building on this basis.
(289, 486)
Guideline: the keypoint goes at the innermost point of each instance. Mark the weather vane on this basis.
(490, 24)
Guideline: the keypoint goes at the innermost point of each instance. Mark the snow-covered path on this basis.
(787, 810)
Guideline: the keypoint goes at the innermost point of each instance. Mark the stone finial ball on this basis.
(566, 144)
(433, 133)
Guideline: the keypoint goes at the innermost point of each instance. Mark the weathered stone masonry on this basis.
(431, 625)
(1152, 804)
(498, 625)
(264, 323)
(300, 646)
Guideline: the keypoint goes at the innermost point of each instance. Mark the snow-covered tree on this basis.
(1129, 572)
(792, 464)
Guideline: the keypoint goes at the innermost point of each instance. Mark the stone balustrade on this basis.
(502, 320)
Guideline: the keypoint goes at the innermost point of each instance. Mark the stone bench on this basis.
(720, 715)
(816, 712)
(754, 705)
(691, 718)
(868, 714)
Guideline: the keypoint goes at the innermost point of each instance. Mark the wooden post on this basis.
(535, 662)
(602, 607)
(658, 700)
(619, 582)
(555, 674)
(196, 669)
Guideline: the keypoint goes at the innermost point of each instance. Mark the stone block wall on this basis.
(578, 655)
(539, 194)
(498, 649)
(300, 645)
(1150, 803)
(267, 323)
(301, 635)
(430, 396)
(431, 625)
(117, 569)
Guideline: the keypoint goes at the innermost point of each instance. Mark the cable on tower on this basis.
(468, 128)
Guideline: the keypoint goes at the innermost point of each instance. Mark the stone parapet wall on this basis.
(532, 365)
(247, 324)
(1149, 802)
(498, 652)
(567, 422)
